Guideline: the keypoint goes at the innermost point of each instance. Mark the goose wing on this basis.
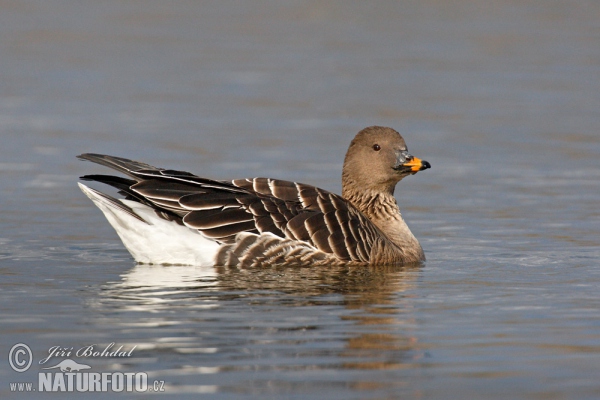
(221, 210)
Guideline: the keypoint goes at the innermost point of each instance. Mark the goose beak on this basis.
(416, 164)
(405, 163)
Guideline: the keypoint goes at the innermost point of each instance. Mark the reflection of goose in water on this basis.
(225, 318)
(174, 217)
(167, 276)
(373, 302)
(150, 288)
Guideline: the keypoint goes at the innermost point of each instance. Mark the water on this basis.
(501, 98)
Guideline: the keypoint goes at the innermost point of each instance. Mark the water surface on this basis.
(501, 98)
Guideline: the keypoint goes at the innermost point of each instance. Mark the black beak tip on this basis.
(425, 165)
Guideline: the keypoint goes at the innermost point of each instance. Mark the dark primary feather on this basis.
(221, 210)
(117, 163)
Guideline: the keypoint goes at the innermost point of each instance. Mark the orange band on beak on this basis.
(416, 164)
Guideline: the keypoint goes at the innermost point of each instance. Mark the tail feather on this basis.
(123, 184)
(102, 200)
(153, 238)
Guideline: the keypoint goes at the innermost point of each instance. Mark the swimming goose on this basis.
(175, 217)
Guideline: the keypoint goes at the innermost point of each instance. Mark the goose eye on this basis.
(376, 147)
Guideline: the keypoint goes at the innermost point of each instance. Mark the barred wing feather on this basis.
(249, 216)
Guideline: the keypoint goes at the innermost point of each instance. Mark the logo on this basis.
(69, 375)
(20, 357)
(69, 366)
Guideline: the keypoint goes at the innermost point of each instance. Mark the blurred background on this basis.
(502, 98)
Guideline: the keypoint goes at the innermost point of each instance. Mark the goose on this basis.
(176, 217)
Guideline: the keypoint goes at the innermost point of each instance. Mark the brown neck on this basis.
(382, 209)
(376, 203)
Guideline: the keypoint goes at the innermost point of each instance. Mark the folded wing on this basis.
(221, 210)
